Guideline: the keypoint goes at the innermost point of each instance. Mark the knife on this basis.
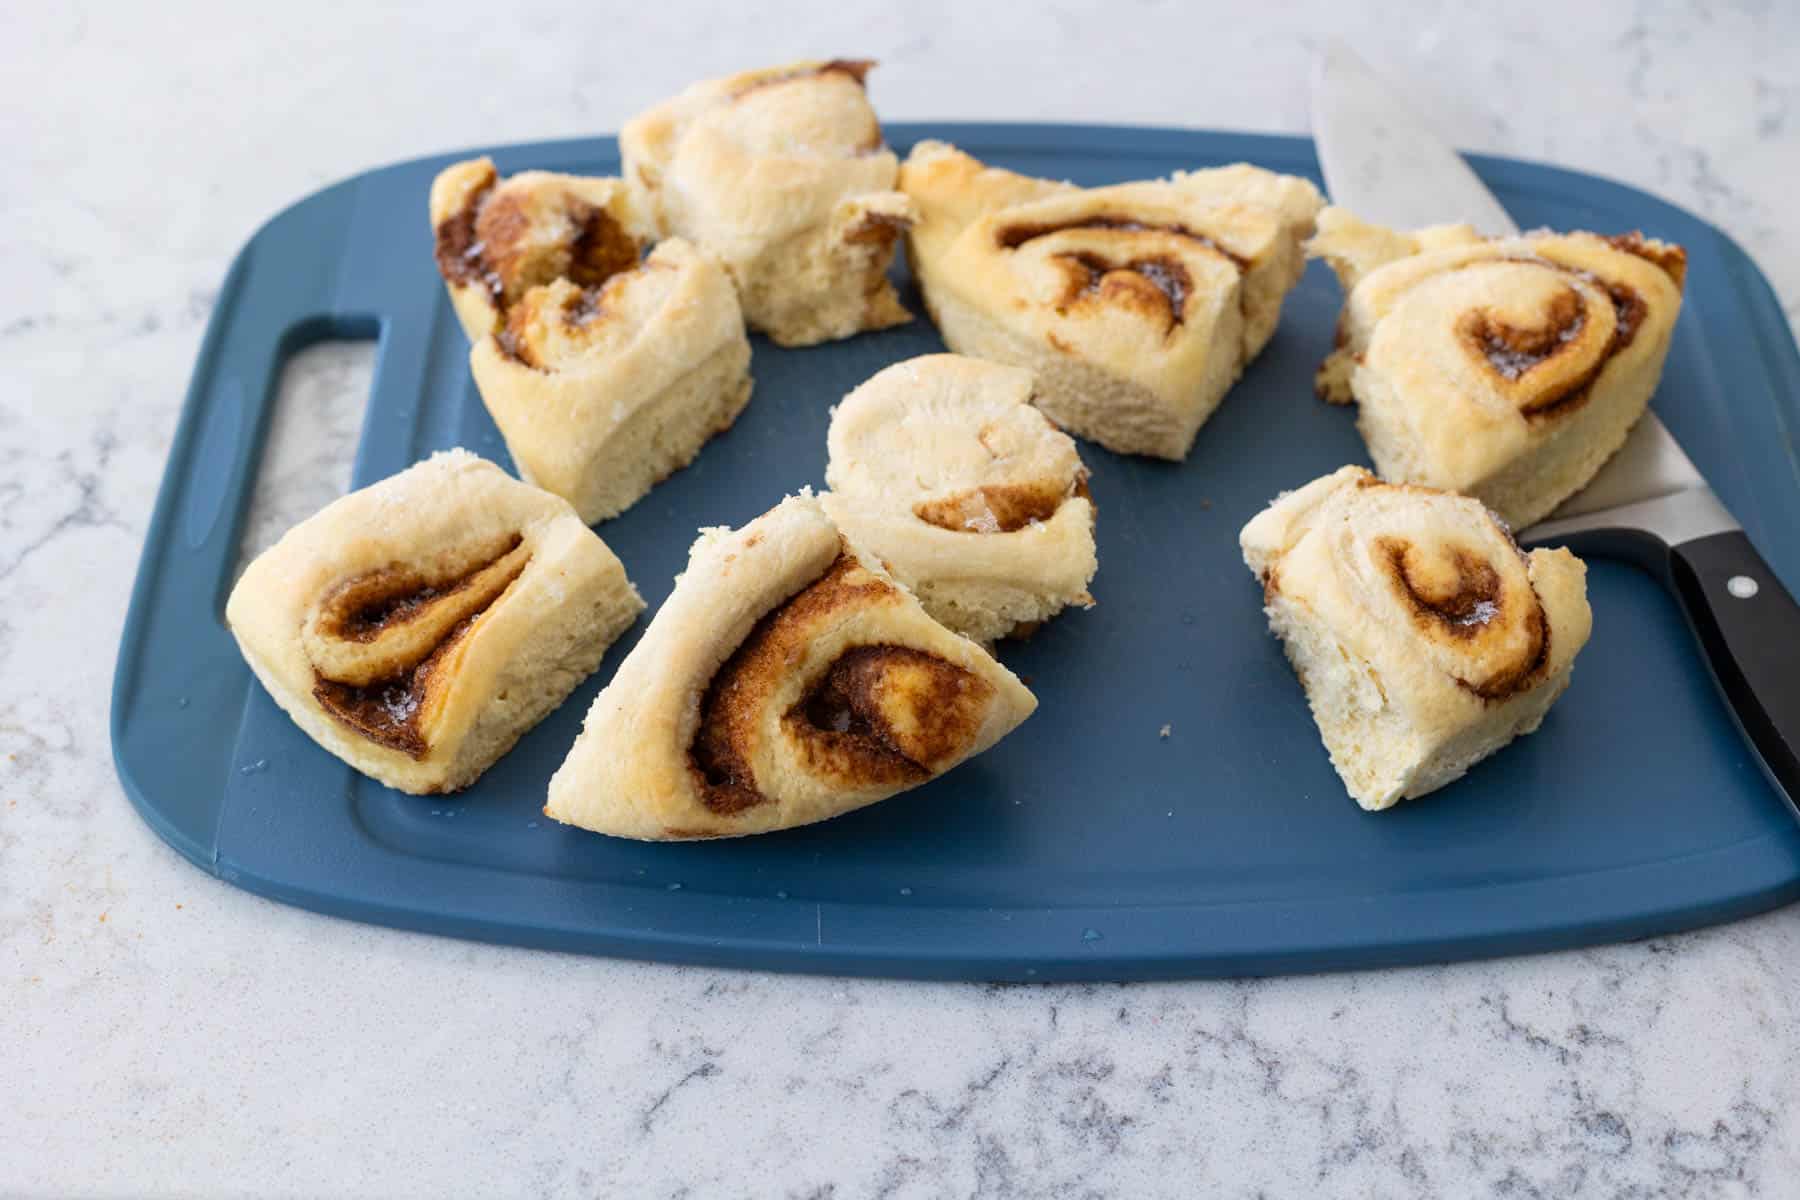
(1649, 504)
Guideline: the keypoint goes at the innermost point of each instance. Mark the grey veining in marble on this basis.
(165, 1034)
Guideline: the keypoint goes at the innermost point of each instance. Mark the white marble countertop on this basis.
(162, 1033)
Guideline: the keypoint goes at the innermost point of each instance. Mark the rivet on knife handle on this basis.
(1749, 627)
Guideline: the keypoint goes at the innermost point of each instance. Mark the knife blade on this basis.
(1381, 161)
(1649, 503)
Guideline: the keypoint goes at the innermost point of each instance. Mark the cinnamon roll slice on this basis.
(1136, 306)
(941, 467)
(1509, 369)
(497, 239)
(783, 174)
(787, 679)
(602, 392)
(1425, 639)
(418, 627)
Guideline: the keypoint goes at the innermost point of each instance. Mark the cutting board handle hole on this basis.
(312, 431)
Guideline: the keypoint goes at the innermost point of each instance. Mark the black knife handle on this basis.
(1749, 627)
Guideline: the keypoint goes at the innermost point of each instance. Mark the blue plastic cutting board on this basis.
(1085, 846)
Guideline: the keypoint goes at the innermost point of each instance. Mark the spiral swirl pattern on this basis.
(1445, 570)
(497, 239)
(1509, 370)
(1118, 261)
(1136, 305)
(1424, 637)
(1540, 332)
(382, 644)
(417, 627)
(566, 326)
(786, 680)
(956, 442)
(603, 392)
(876, 714)
(943, 467)
(1109, 262)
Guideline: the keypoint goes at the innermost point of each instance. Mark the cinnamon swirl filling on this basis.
(1513, 352)
(1475, 604)
(380, 643)
(1011, 237)
(496, 240)
(996, 508)
(1110, 263)
(1160, 285)
(876, 714)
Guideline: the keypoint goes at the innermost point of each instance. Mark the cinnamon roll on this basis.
(1136, 306)
(497, 239)
(941, 467)
(418, 627)
(601, 392)
(1425, 639)
(783, 174)
(1509, 369)
(786, 680)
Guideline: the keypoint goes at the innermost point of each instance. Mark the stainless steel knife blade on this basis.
(1648, 503)
(1381, 161)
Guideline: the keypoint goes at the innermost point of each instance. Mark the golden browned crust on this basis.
(784, 175)
(856, 69)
